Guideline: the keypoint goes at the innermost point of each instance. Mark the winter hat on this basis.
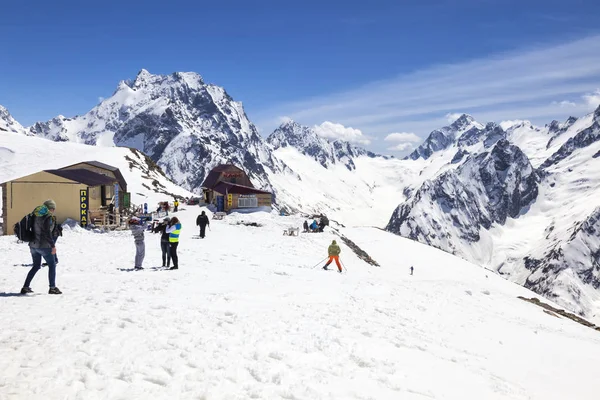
(51, 204)
(134, 220)
(167, 219)
(334, 242)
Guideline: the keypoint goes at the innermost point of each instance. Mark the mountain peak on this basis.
(8, 123)
(462, 122)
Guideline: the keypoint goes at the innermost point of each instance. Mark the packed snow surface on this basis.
(247, 317)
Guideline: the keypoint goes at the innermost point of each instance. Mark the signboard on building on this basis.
(83, 207)
(229, 200)
(116, 195)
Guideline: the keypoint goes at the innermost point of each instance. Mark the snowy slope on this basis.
(22, 155)
(260, 323)
(364, 196)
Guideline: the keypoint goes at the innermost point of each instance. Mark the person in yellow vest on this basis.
(176, 205)
(334, 255)
(173, 230)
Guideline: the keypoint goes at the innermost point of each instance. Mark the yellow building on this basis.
(66, 186)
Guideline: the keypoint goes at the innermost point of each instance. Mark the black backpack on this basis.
(24, 229)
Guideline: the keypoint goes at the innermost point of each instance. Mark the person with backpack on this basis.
(41, 245)
(173, 230)
(334, 255)
(202, 221)
(164, 242)
(137, 230)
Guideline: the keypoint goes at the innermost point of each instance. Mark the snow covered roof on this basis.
(84, 176)
(226, 187)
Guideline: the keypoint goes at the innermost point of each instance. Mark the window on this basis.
(247, 202)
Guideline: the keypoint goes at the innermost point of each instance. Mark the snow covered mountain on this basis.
(8, 123)
(308, 142)
(517, 199)
(443, 138)
(184, 124)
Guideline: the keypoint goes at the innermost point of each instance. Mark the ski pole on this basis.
(319, 263)
(344, 265)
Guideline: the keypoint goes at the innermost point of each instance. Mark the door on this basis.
(220, 203)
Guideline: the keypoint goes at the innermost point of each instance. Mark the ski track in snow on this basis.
(245, 317)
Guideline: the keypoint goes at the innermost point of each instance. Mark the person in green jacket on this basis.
(334, 255)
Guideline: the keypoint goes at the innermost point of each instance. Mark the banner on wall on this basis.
(116, 195)
(83, 207)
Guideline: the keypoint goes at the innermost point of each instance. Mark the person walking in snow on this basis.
(411, 269)
(137, 230)
(175, 205)
(164, 242)
(43, 246)
(202, 221)
(305, 226)
(173, 230)
(334, 255)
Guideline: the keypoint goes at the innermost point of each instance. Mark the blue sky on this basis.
(380, 67)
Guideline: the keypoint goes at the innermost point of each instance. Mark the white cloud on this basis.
(283, 119)
(451, 117)
(330, 130)
(564, 104)
(401, 147)
(514, 85)
(403, 137)
(592, 99)
(100, 99)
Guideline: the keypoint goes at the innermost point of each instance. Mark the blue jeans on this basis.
(36, 255)
(166, 254)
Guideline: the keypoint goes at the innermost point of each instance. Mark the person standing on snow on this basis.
(305, 226)
(164, 242)
(202, 221)
(173, 230)
(175, 205)
(43, 246)
(334, 255)
(137, 230)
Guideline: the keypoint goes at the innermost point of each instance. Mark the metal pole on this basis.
(344, 266)
(319, 262)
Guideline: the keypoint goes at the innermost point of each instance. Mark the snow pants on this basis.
(166, 254)
(202, 231)
(140, 253)
(173, 251)
(337, 262)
